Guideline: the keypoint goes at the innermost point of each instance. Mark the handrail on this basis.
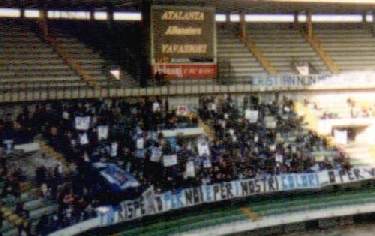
(20, 92)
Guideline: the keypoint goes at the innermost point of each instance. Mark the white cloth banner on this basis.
(114, 148)
(279, 158)
(27, 147)
(203, 148)
(155, 107)
(8, 145)
(169, 160)
(155, 154)
(190, 169)
(83, 139)
(66, 115)
(251, 115)
(82, 122)
(140, 143)
(270, 122)
(102, 132)
(207, 163)
(213, 106)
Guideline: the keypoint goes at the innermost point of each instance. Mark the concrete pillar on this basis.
(243, 31)
(309, 25)
(43, 22)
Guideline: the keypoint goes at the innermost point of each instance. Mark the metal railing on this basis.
(53, 90)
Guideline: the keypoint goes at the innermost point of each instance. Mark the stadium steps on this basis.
(351, 49)
(86, 58)
(244, 64)
(284, 47)
(26, 58)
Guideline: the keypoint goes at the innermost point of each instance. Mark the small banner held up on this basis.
(182, 110)
(169, 160)
(270, 122)
(251, 115)
(82, 122)
(102, 132)
(190, 169)
(203, 148)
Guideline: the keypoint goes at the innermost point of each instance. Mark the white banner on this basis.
(140, 143)
(83, 139)
(203, 148)
(159, 203)
(190, 169)
(251, 115)
(102, 132)
(270, 122)
(156, 154)
(82, 122)
(114, 148)
(169, 160)
(66, 115)
(155, 107)
(27, 147)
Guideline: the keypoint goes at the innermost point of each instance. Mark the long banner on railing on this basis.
(362, 78)
(151, 203)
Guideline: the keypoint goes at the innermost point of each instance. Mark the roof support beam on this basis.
(251, 46)
(309, 25)
(43, 23)
(315, 43)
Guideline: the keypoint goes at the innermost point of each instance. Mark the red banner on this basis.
(186, 71)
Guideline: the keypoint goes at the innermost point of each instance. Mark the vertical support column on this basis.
(22, 12)
(43, 22)
(110, 17)
(295, 20)
(309, 25)
(92, 15)
(243, 31)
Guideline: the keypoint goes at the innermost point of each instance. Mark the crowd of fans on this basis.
(272, 141)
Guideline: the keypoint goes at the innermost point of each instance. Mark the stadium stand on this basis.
(102, 157)
(22, 204)
(233, 153)
(98, 56)
(27, 59)
(39, 64)
(91, 63)
(244, 65)
(351, 47)
(285, 47)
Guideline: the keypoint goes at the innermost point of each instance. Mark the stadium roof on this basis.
(253, 6)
